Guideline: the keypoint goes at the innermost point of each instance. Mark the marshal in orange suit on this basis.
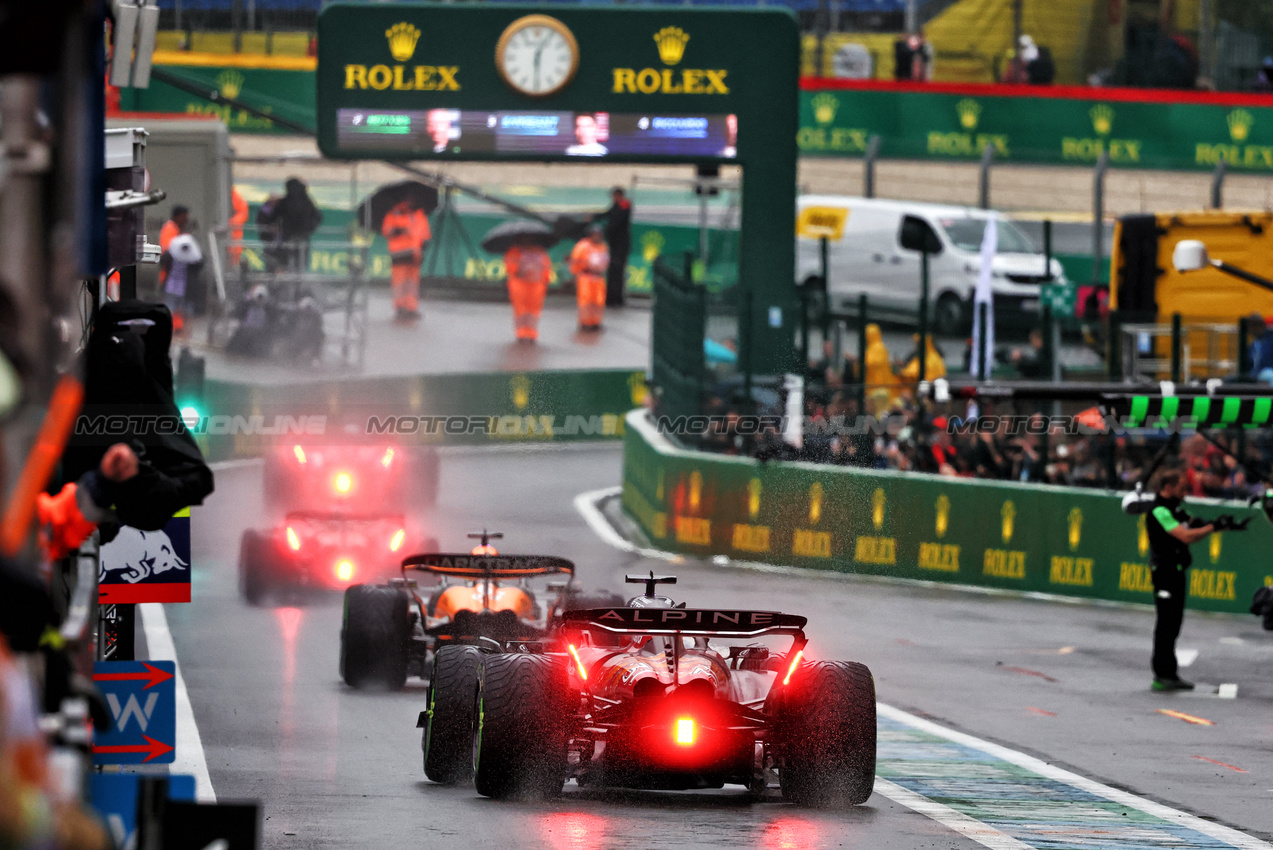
(529, 269)
(406, 228)
(589, 261)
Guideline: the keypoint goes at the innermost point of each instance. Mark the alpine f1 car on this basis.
(658, 696)
(393, 630)
(350, 476)
(323, 550)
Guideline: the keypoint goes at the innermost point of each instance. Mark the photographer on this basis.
(1171, 531)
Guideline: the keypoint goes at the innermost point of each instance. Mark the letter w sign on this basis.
(142, 696)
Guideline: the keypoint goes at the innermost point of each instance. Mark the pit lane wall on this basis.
(242, 420)
(1058, 540)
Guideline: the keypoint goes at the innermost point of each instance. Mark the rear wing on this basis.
(462, 565)
(701, 622)
(342, 516)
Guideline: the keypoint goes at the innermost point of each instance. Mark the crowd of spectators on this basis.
(1008, 443)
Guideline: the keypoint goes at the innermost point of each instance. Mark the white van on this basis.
(865, 255)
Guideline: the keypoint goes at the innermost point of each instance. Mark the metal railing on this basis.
(1180, 352)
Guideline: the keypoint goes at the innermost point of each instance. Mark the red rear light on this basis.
(684, 732)
(345, 570)
(293, 540)
(343, 482)
(300, 454)
(574, 653)
(795, 662)
(396, 543)
(387, 459)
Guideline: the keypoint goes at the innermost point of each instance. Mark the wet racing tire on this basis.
(825, 735)
(452, 714)
(521, 737)
(257, 579)
(374, 637)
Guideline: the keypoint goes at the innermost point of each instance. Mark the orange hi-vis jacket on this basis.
(588, 258)
(529, 265)
(406, 233)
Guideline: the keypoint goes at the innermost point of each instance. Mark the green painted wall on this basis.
(1056, 540)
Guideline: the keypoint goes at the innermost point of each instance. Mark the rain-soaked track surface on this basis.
(1065, 683)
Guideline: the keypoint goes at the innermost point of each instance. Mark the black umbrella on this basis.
(501, 237)
(372, 211)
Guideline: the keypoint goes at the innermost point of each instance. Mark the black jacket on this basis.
(1165, 550)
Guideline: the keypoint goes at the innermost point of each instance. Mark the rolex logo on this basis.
(1215, 548)
(878, 499)
(1075, 520)
(1240, 122)
(229, 83)
(1009, 515)
(1142, 536)
(402, 38)
(824, 107)
(651, 245)
(943, 514)
(969, 113)
(815, 503)
(753, 498)
(1102, 119)
(520, 386)
(696, 489)
(671, 42)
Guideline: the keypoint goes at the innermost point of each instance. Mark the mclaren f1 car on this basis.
(393, 630)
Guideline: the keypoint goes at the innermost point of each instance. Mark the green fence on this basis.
(1058, 540)
(478, 409)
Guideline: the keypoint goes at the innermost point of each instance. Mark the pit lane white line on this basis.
(190, 758)
(984, 834)
(1074, 780)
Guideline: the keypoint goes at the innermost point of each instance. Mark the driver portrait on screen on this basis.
(730, 151)
(440, 124)
(587, 132)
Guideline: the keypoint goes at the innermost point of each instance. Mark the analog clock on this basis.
(537, 55)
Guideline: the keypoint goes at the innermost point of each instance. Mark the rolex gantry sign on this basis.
(509, 82)
(649, 84)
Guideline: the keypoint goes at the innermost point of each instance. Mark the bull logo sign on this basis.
(147, 566)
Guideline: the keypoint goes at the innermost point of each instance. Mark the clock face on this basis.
(537, 55)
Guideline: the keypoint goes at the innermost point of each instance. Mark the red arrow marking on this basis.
(153, 674)
(1222, 764)
(155, 748)
(1027, 672)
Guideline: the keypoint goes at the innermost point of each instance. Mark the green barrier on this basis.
(289, 94)
(1063, 130)
(1070, 127)
(1058, 540)
(242, 420)
(649, 242)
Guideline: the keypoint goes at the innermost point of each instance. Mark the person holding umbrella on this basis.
(589, 261)
(524, 245)
(400, 211)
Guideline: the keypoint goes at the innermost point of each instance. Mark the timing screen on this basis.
(459, 132)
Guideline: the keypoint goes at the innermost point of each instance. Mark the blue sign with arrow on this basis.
(142, 696)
